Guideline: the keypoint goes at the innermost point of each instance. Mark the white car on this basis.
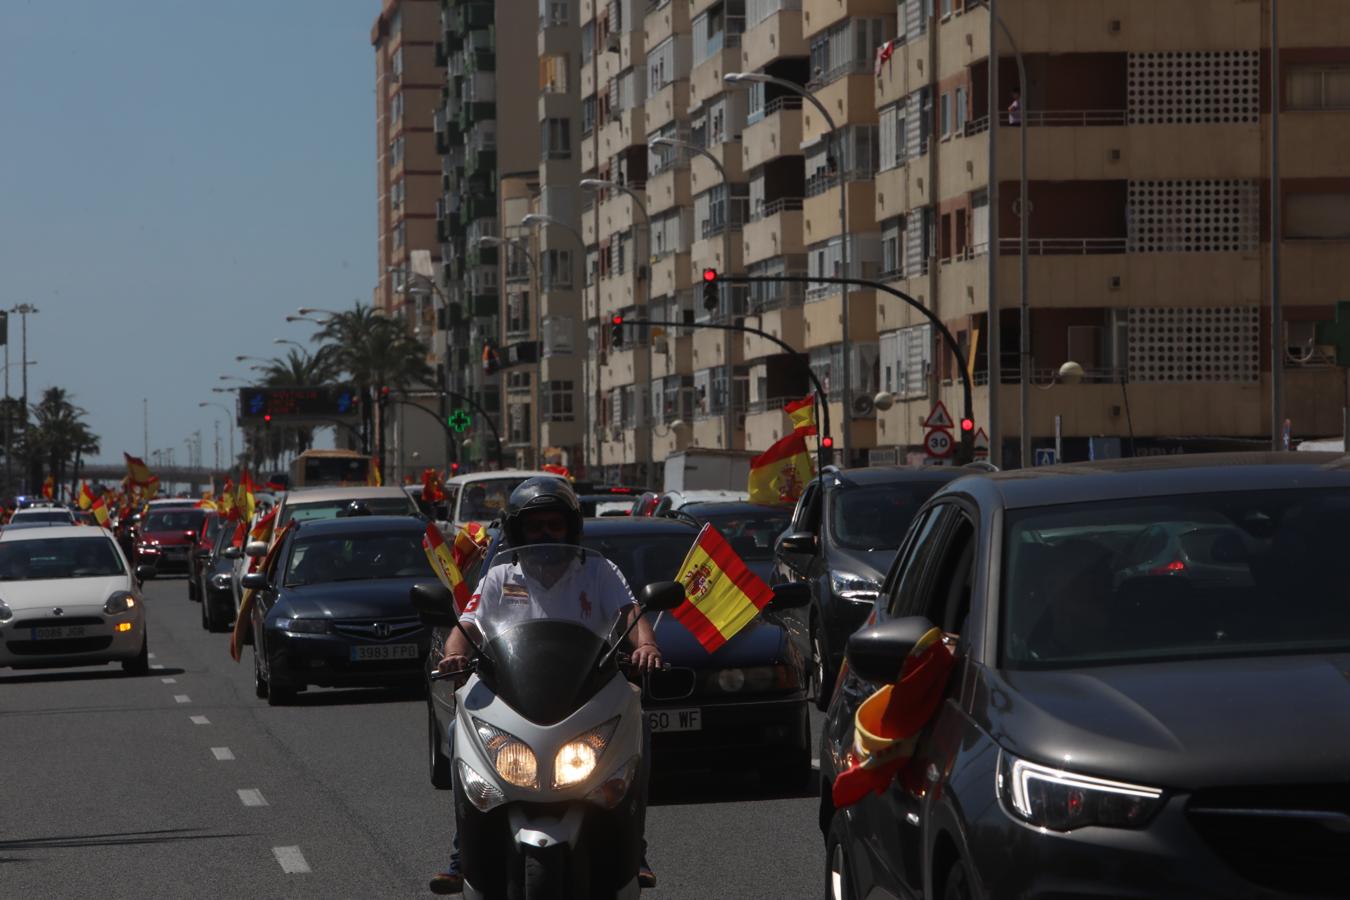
(482, 496)
(42, 515)
(68, 597)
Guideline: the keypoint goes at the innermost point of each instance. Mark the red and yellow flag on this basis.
(243, 621)
(243, 497)
(49, 487)
(471, 541)
(151, 489)
(226, 503)
(443, 564)
(101, 513)
(803, 415)
(374, 479)
(561, 471)
(722, 595)
(137, 471)
(779, 474)
(263, 528)
(431, 486)
(86, 497)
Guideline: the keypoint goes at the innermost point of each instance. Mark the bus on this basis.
(329, 467)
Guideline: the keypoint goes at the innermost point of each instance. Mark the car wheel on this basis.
(957, 884)
(260, 686)
(838, 870)
(140, 663)
(441, 779)
(822, 673)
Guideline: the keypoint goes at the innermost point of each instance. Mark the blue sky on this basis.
(175, 177)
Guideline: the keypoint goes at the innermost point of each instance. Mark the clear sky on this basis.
(175, 177)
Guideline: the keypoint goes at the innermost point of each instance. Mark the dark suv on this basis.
(842, 539)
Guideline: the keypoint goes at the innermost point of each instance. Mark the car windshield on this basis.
(329, 509)
(52, 516)
(876, 516)
(485, 500)
(751, 533)
(357, 557)
(1186, 577)
(174, 520)
(41, 560)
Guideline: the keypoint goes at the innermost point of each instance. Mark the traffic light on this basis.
(827, 442)
(711, 302)
(454, 469)
(616, 332)
(967, 424)
(267, 421)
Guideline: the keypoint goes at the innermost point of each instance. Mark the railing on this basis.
(966, 253)
(821, 182)
(776, 105)
(852, 67)
(1011, 246)
(769, 405)
(1053, 118)
(765, 209)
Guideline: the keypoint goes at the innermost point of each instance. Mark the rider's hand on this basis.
(646, 658)
(453, 662)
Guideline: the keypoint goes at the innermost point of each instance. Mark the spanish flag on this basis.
(721, 594)
(375, 478)
(86, 496)
(243, 497)
(443, 564)
(470, 543)
(243, 621)
(151, 490)
(779, 474)
(226, 503)
(803, 415)
(138, 472)
(101, 513)
(431, 486)
(49, 487)
(558, 470)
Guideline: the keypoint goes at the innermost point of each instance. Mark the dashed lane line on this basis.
(223, 754)
(181, 698)
(168, 681)
(292, 860)
(251, 797)
(200, 720)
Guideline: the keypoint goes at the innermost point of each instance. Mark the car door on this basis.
(790, 566)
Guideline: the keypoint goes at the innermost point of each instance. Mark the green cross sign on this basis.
(459, 420)
(1337, 333)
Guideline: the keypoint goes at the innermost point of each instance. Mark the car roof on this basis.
(614, 526)
(55, 531)
(732, 507)
(40, 511)
(503, 473)
(705, 496)
(1155, 476)
(350, 524)
(893, 474)
(176, 501)
(300, 496)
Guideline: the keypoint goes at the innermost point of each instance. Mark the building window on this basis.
(847, 48)
(945, 116)
(557, 402)
(396, 107)
(396, 152)
(891, 137)
(400, 234)
(558, 335)
(1322, 216)
(553, 74)
(557, 139)
(960, 120)
(517, 312)
(396, 65)
(553, 13)
(555, 267)
(518, 423)
(1317, 87)
(588, 115)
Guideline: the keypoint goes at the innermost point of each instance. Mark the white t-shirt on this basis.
(590, 593)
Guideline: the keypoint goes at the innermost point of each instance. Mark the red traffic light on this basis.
(967, 424)
(267, 417)
(827, 442)
(617, 320)
(454, 468)
(709, 274)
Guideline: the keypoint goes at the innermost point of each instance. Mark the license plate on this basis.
(385, 651)
(57, 632)
(676, 720)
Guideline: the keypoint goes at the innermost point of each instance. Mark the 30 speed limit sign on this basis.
(939, 443)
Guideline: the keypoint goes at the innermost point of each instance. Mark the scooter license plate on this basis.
(675, 720)
(385, 651)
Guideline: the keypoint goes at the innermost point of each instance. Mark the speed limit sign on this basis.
(939, 443)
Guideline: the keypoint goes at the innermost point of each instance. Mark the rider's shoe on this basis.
(451, 881)
(646, 877)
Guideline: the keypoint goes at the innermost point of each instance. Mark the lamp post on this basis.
(519, 246)
(228, 421)
(307, 319)
(25, 310)
(844, 343)
(311, 310)
(597, 184)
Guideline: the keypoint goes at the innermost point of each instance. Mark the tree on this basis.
(58, 436)
(298, 370)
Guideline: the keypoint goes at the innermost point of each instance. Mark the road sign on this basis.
(939, 417)
(939, 443)
(1045, 456)
(981, 444)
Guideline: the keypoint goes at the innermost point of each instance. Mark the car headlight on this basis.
(303, 626)
(613, 789)
(751, 680)
(1062, 801)
(510, 756)
(483, 794)
(119, 602)
(854, 587)
(576, 760)
(5, 612)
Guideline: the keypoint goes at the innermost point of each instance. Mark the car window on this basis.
(906, 599)
(644, 558)
(875, 516)
(750, 534)
(53, 558)
(44, 516)
(947, 595)
(806, 517)
(485, 500)
(356, 557)
(174, 520)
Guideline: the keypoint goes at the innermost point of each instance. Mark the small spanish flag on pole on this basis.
(101, 513)
(779, 474)
(443, 564)
(722, 595)
(86, 496)
(375, 478)
(803, 415)
(138, 472)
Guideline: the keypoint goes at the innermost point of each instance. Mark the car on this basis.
(70, 599)
(750, 528)
(604, 500)
(216, 581)
(671, 501)
(210, 529)
(167, 538)
(85, 517)
(308, 504)
(744, 704)
(45, 515)
(481, 496)
(333, 610)
(1109, 730)
(844, 532)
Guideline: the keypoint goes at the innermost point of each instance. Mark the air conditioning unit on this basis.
(612, 41)
(863, 406)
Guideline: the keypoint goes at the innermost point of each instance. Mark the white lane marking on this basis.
(168, 681)
(223, 754)
(181, 698)
(200, 720)
(251, 797)
(292, 860)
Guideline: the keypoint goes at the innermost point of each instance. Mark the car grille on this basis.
(57, 620)
(674, 683)
(369, 629)
(1309, 824)
(58, 648)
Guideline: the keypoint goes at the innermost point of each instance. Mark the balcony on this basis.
(774, 229)
(777, 37)
(787, 323)
(772, 132)
(663, 20)
(821, 209)
(666, 104)
(705, 81)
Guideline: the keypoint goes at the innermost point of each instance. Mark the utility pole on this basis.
(145, 418)
(1276, 320)
(23, 309)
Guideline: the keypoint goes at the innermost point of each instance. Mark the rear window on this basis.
(44, 516)
(329, 509)
(174, 520)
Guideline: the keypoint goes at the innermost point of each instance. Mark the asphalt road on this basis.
(182, 783)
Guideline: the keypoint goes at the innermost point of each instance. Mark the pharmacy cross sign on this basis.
(1337, 334)
(459, 420)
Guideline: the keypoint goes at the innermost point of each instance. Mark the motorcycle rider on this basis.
(589, 590)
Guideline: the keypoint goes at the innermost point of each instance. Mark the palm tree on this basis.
(58, 435)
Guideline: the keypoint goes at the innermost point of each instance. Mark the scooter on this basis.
(548, 749)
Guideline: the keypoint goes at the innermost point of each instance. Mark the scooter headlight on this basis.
(513, 759)
(577, 758)
(483, 794)
(613, 789)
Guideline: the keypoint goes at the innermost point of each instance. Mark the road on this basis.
(182, 783)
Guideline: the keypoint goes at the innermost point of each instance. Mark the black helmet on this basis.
(356, 508)
(542, 494)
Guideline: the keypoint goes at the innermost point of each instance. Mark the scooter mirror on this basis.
(434, 603)
(661, 595)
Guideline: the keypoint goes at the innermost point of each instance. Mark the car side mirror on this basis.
(143, 572)
(232, 553)
(255, 549)
(876, 653)
(660, 596)
(434, 603)
(800, 542)
(254, 581)
(790, 595)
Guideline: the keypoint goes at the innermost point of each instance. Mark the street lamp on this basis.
(229, 421)
(311, 310)
(748, 78)
(232, 378)
(251, 359)
(306, 319)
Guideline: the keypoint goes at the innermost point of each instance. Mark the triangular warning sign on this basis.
(981, 440)
(939, 417)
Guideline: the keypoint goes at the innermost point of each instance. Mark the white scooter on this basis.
(548, 747)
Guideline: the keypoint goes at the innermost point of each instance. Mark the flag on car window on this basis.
(244, 500)
(138, 472)
(803, 415)
(779, 474)
(86, 496)
(243, 621)
(101, 513)
(443, 563)
(721, 594)
(374, 479)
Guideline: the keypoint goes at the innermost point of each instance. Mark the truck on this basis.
(699, 469)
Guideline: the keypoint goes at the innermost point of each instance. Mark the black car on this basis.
(842, 538)
(332, 609)
(1112, 729)
(744, 703)
(215, 580)
(750, 528)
